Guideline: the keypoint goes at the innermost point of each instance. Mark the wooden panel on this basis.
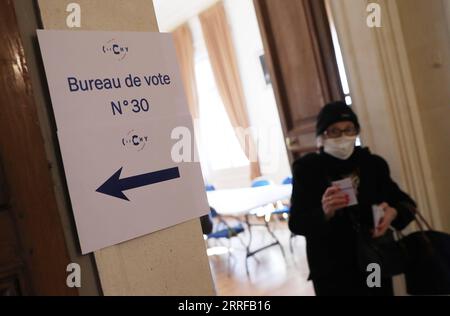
(29, 20)
(301, 59)
(9, 253)
(14, 282)
(32, 202)
(168, 262)
(4, 195)
(10, 287)
(12, 269)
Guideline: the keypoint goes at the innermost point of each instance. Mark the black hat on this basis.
(332, 113)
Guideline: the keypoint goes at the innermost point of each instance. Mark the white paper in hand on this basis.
(378, 214)
(347, 187)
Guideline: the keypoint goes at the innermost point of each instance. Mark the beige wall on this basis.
(446, 4)
(168, 262)
(427, 41)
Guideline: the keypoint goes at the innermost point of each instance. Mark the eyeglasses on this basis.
(336, 132)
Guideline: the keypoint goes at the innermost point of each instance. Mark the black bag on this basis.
(384, 251)
(423, 256)
(427, 261)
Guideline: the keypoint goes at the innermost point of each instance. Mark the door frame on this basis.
(31, 197)
(320, 34)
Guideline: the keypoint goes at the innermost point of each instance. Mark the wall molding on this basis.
(405, 113)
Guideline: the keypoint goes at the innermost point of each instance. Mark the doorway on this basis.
(288, 71)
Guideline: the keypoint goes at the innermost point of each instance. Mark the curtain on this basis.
(225, 68)
(184, 47)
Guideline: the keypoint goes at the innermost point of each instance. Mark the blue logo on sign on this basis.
(114, 48)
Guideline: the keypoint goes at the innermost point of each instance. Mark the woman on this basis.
(326, 215)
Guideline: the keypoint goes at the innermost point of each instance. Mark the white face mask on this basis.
(341, 147)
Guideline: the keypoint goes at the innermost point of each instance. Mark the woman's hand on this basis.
(390, 214)
(332, 200)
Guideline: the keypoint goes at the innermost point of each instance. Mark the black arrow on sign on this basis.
(115, 186)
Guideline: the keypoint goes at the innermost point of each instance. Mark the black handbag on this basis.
(427, 260)
(385, 251)
(423, 257)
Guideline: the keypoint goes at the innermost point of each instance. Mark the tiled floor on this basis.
(271, 275)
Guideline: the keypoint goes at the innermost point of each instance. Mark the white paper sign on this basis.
(117, 97)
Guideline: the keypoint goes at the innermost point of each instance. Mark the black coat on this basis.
(331, 245)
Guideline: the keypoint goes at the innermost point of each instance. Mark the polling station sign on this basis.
(117, 99)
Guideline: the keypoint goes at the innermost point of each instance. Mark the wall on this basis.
(446, 4)
(427, 40)
(169, 262)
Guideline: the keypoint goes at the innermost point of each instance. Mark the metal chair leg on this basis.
(276, 240)
(229, 258)
(291, 247)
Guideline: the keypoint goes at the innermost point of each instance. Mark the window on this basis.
(340, 63)
(339, 59)
(219, 144)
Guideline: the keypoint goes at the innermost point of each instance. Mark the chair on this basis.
(280, 207)
(283, 208)
(260, 182)
(287, 180)
(267, 212)
(262, 211)
(228, 232)
(225, 231)
(284, 211)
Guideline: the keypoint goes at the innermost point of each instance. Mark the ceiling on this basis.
(171, 13)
